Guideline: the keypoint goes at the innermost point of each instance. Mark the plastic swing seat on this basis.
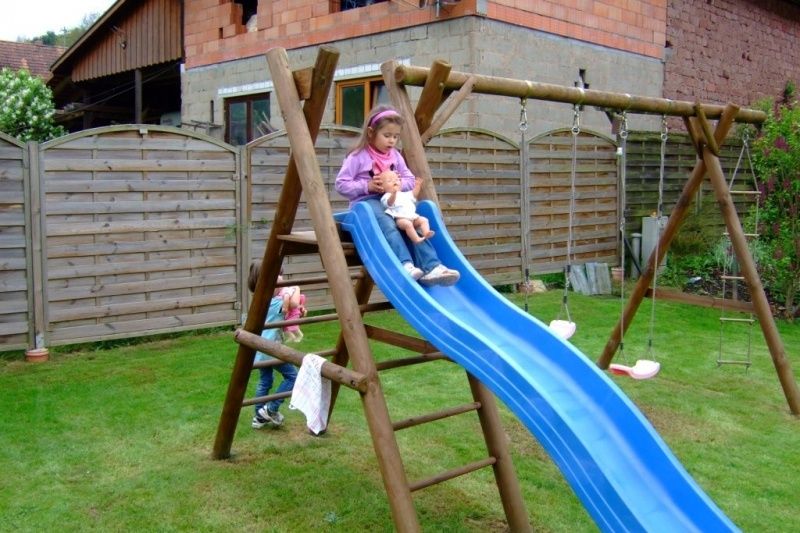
(563, 328)
(643, 369)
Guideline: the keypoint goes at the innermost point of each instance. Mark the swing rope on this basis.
(643, 369)
(659, 215)
(623, 151)
(575, 130)
(523, 128)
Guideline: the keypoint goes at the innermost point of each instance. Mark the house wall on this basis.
(731, 50)
(214, 29)
(470, 44)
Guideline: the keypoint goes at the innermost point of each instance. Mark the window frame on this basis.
(371, 85)
(249, 100)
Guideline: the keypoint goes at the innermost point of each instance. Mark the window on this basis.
(247, 118)
(249, 9)
(344, 5)
(354, 99)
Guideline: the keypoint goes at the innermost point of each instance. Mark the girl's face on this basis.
(385, 137)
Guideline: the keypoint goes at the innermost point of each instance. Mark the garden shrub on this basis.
(776, 158)
(27, 108)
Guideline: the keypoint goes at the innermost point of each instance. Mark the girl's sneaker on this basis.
(413, 271)
(259, 422)
(440, 275)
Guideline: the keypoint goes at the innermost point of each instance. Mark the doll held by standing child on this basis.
(269, 413)
(293, 306)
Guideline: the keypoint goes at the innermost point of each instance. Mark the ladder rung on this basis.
(752, 193)
(307, 237)
(748, 320)
(329, 317)
(751, 235)
(267, 398)
(450, 474)
(438, 415)
(313, 280)
(275, 362)
(732, 277)
(408, 361)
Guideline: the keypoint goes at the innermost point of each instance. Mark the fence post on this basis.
(38, 282)
(243, 215)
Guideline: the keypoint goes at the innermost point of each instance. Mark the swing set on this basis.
(302, 96)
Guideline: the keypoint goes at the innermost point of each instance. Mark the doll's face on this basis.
(385, 137)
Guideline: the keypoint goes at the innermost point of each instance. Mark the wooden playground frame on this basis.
(302, 96)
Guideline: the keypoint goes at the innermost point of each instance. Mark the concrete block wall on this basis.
(469, 44)
(736, 51)
(214, 32)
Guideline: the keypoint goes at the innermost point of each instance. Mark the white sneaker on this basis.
(413, 271)
(440, 275)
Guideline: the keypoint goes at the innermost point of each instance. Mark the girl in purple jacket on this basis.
(372, 168)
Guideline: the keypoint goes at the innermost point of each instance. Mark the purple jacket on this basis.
(356, 172)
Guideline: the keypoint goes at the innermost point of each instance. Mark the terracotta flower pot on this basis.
(37, 355)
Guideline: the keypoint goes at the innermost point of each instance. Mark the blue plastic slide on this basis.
(620, 468)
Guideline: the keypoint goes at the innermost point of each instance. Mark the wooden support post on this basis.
(447, 111)
(432, 94)
(748, 269)
(331, 371)
(363, 290)
(413, 150)
(708, 133)
(497, 446)
(284, 219)
(505, 476)
(330, 248)
(673, 224)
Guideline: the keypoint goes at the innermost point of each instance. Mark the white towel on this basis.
(312, 393)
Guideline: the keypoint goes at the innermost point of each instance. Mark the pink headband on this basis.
(382, 114)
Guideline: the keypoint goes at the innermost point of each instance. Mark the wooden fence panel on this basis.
(595, 233)
(16, 307)
(644, 159)
(148, 229)
(267, 159)
(141, 233)
(477, 178)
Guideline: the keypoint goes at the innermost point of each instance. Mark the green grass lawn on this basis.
(120, 439)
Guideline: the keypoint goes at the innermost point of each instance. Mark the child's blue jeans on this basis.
(424, 254)
(289, 373)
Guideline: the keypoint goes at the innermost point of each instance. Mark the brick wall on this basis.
(214, 30)
(469, 44)
(736, 51)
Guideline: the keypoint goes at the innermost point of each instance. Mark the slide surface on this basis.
(620, 468)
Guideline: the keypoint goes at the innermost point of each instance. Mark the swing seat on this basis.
(563, 328)
(643, 369)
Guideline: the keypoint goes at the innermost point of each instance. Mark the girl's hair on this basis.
(255, 271)
(395, 118)
(252, 279)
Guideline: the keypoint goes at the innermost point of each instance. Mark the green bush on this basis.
(776, 158)
(27, 107)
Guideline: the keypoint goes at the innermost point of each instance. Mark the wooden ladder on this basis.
(302, 96)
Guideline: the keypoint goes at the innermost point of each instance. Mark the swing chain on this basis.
(576, 120)
(523, 114)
